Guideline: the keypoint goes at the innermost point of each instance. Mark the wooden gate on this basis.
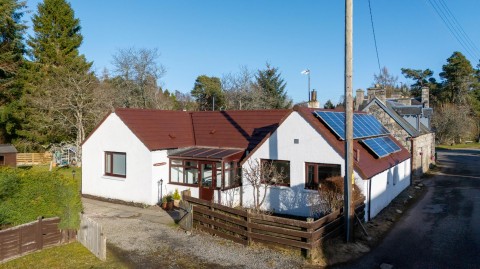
(186, 216)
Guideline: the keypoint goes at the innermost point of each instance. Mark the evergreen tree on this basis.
(273, 88)
(57, 37)
(56, 68)
(459, 78)
(11, 62)
(329, 105)
(207, 91)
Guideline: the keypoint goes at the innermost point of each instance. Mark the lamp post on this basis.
(160, 184)
(307, 72)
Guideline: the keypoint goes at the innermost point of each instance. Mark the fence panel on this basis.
(34, 158)
(20, 240)
(92, 237)
(243, 227)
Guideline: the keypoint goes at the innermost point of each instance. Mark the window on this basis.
(276, 172)
(317, 172)
(232, 175)
(2, 160)
(116, 164)
(184, 172)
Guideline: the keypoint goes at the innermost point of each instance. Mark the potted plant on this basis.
(176, 198)
(164, 202)
(169, 202)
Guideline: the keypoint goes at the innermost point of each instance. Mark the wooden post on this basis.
(309, 238)
(39, 233)
(348, 210)
(249, 227)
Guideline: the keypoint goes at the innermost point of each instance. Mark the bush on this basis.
(25, 195)
(331, 194)
(176, 195)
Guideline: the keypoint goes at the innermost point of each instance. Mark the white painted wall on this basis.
(386, 186)
(114, 135)
(294, 200)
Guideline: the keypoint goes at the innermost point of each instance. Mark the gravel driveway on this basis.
(149, 238)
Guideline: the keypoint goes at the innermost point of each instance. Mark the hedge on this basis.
(25, 195)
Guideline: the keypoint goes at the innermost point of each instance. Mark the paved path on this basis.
(443, 229)
(95, 208)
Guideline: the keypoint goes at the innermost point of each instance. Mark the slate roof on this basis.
(367, 164)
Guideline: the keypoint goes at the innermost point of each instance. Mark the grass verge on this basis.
(460, 146)
(72, 255)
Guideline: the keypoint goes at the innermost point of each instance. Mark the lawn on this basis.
(72, 255)
(460, 146)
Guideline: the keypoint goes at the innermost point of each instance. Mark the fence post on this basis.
(39, 233)
(249, 227)
(309, 238)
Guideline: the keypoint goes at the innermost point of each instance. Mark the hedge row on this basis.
(25, 195)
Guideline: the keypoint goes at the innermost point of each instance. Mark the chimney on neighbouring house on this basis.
(313, 100)
(425, 97)
(378, 92)
(359, 98)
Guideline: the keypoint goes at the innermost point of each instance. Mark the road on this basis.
(442, 230)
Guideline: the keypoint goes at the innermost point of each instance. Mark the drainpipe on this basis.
(411, 161)
(369, 197)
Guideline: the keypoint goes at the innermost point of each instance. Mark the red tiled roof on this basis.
(159, 129)
(163, 129)
(369, 165)
(237, 129)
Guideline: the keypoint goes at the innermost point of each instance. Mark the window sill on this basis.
(184, 184)
(280, 187)
(114, 178)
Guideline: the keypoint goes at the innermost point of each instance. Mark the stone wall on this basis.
(423, 154)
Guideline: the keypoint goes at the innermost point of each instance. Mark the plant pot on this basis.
(164, 205)
(176, 203)
(170, 205)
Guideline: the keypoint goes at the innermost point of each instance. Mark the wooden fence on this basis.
(92, 237)
(244, 227)
(20, 240)
(34, 158)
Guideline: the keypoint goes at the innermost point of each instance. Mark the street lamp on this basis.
(307, 72)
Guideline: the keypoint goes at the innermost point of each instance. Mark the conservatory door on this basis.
(207, 180)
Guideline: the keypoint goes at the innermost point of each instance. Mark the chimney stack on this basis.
(381, 94)
(359, 98)
(425, 97)
(313, 100)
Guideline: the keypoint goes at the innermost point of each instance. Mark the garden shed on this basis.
(8, 155)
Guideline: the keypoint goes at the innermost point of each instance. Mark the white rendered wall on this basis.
(386, 186)
(114, 135)
(293, 200)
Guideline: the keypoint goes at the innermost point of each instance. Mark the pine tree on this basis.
(56, 75)
(207, 91)
(57, 37)
(11, 61)
(459, 77)
(273, 88)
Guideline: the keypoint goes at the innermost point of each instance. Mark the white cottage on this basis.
(139, 155)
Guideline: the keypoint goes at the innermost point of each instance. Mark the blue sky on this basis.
(218, 37)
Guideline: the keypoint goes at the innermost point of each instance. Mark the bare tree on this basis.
(241, 90)
(260, 175)
(453, 123)
(137, 72)
(71, 103)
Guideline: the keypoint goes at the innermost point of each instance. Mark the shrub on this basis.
(176, 195)
(331, 194)
(25, 195)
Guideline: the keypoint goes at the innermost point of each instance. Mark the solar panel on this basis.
(381, 146)
(364, 125)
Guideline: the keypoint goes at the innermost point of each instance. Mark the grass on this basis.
(460, 146)
(72, 255)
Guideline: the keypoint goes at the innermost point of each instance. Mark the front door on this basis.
(207, 180)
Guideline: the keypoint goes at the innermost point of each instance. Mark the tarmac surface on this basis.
(442, 230)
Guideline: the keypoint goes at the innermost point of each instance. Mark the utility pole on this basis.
(348, 180)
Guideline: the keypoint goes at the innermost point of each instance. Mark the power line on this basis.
(374, 38)
(448, 19)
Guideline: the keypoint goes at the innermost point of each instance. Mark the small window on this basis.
(2, 160)
(315, 173)
(276, 172)
(116, 164)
